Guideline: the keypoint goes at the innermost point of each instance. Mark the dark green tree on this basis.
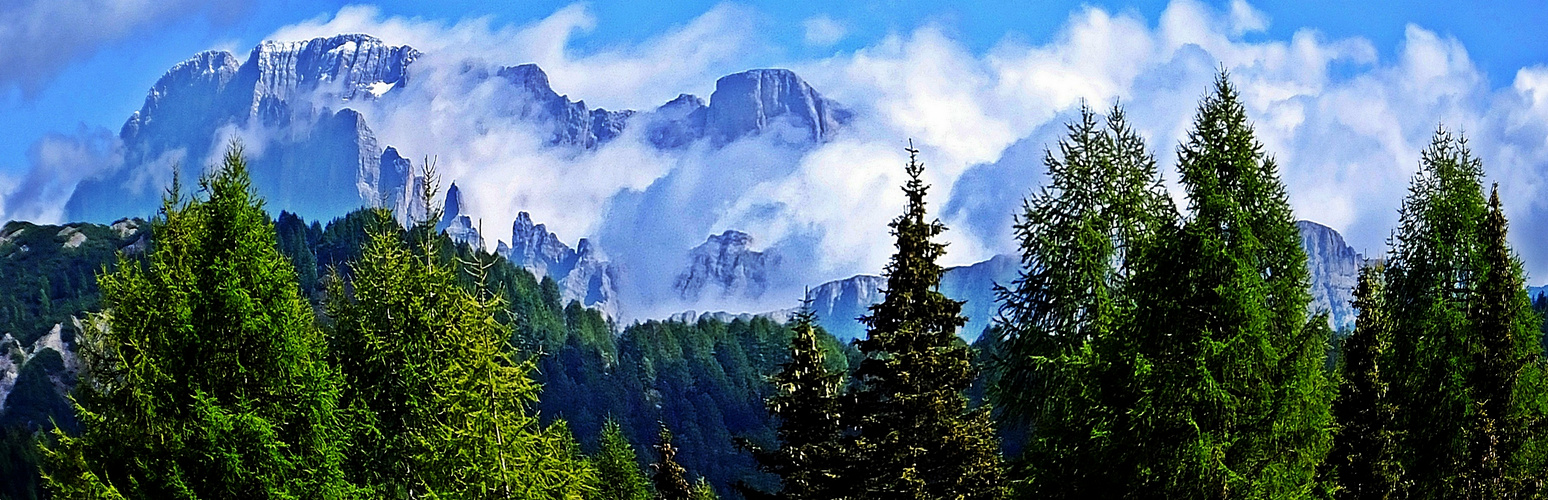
(440, 406)
(1360, 464)
(669, 478)
(917, 439)
(1466, 376)
(618, 468)
(1232, 399)
(205, 373)
(1103, 199)
(809, 422)
(1504, 368)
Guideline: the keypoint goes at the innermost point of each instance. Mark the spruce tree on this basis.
(1232, 399)
(441, 407)
(205, 374)
(1103, 199)
(618, 468)
(805, 407)
(1503, 370)
(917, 439)
(669, 478)
(1360, 464)
(1466, 379)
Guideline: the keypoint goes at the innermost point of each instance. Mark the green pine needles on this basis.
(206, 373)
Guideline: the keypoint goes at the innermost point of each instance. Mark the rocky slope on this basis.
(1335, 270)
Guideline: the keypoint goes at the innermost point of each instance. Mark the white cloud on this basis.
(823, 31)
(40, 37)
(57, 163)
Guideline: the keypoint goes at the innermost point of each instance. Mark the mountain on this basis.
(583, 274)
(725, 267)
(1335, 270)
(316, 159)
(750, 103)
(311, 153)
(455, 221)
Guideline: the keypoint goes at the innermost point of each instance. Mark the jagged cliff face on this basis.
(584, 274)
(1335, 270)
(317, 159)
(725, 267)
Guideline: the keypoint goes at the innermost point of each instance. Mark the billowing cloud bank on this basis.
(1345, 123)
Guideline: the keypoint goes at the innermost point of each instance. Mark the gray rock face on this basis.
(583, 274)
(573, 124)
(456, 223)
(840, 304)
(724, 267)
(285, 88)
(745, 104)
(1335, 271)
(756, 101)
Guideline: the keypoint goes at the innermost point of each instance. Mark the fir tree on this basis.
(1360, 465)
(916, 436)
(1502, 359)
(806, 409)
(669, 478)
(1466, 383)
(618, 468)
(205, 373)
(1103, 199)
(1232, 399)
(441, 407)
(703, 491)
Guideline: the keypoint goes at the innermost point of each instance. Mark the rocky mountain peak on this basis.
(583, 274)
(1335, 271)
(726, 266)
(758, 100)
(456, 223)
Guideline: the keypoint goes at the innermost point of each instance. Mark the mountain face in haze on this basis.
(725, 267)
(583, 274)
(316, 159)
(1334, 266)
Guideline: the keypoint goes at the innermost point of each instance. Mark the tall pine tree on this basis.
(917, 439)
(1360, 465)
(669, 477)
(1103, 199)
(441, 407)
(1232, 397)
(809, 425)
(206, 376)
(1466, 376)
(618, 468)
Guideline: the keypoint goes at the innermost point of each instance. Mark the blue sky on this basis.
(1344, 94)
(103, 82)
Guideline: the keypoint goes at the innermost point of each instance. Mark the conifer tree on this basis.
(205, 375)
(1466, 379)
(670, 479)
(1102, 200)
(1502, 367)
(1360, 465)
(618, 468)
(703, 491)
(916, 437)
(1232, 396)
(441, 407)
(805, 407)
